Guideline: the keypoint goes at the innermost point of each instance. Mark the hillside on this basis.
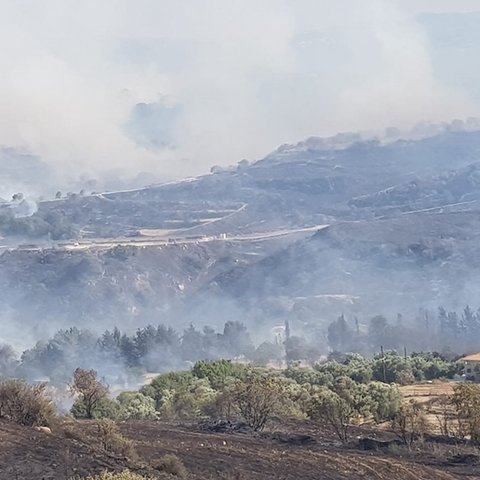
(397, 231)
(72, 450)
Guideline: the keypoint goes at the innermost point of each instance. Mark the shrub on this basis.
(25, 404)
(329, 408)
(466, 401)
(222, 406)
(218, 372)
(385, 401)
(179, 394)
(104, 408)
(257, 399)
(410, 422)
(172, 465)
(125, 475)
(136, 406)
(113, 441)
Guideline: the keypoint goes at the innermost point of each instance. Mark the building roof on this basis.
(472, 358)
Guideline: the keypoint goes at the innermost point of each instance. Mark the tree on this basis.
(237, 339)
(136, 406)
(466, 400)
(257, 399)
(90, 390)
(329, 408)
(385, 401)
(267, 352)
(298, 348)
(377, 330)
(219, 372)
(410, 422)
(339, 334)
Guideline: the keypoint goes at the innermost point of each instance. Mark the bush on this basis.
(385, 401)
(258, 399)
(172, 465)
(125, 475)
(105, 408)
(112, 441)
(222, 406)
(329, 408)
(136, 406)
(25, 404)
(179, 394)
(218, 372)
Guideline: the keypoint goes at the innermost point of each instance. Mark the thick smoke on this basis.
(175, 87)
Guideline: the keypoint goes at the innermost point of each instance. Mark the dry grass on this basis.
(125, 475)
(25, 404)
(423, 392)
(434, 397)
(172, 465)
(112, 441)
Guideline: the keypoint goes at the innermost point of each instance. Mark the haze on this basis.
(173, 87)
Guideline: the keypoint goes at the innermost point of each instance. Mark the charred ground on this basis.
(73, 449)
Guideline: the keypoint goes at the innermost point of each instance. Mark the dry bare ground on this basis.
(424, 392)
(73, 449)
(434, 397)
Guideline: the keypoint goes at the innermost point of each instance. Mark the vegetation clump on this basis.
(125, 475)
(172, 465)
(25, 404)
(112, 441)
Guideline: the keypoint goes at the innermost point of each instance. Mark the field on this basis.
(433, 396)
(299, 451)
(425, 392)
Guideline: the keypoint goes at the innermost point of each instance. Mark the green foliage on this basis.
(308, 375)
(466, 400)
(385, 401)
(136, 406)
(92, 394)
(329, 408)
(105, 408)
(219, 372)
(179, 394)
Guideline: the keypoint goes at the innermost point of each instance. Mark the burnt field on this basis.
(298, 451)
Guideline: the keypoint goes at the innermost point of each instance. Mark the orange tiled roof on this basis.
(472, 358)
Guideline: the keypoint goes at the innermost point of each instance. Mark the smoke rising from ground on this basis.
(175, 87)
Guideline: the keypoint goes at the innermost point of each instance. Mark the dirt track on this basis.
(31, 455)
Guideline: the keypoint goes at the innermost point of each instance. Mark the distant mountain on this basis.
(403, 228)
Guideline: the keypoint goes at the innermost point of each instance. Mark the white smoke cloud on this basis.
(220, 80)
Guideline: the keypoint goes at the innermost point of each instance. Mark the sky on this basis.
(176, 86)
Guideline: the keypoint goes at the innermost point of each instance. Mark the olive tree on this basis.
(90, 390)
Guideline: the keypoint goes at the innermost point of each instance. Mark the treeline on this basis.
(117, 355)
(337, 395)
(121, 357)
(444, 331)
(228, 392)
